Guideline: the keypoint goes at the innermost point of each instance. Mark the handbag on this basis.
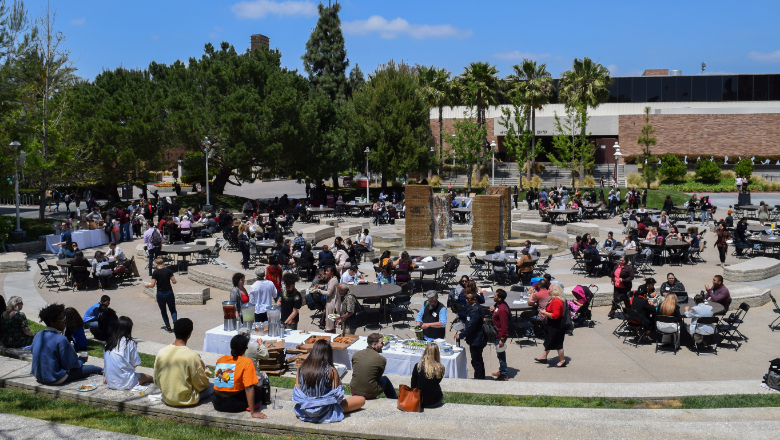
(409, 399)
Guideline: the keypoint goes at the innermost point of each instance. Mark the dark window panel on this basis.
(669, 89)
(745, 87)
(683, 88)
(624, 89)
(699, 88)
(714, 88)
(554, 97)
(730, 87)
(653, 89)
(760, 87)
(774, 87)
(613, 91)
(639, 89)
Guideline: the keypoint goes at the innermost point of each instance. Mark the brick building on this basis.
(259, 41)
(727, 115)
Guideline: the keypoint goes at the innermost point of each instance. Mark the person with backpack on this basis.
(501, 318)
(474, 334)
(556, 314)
(153, 242)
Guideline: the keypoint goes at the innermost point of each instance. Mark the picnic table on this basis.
(375, 291)
(569, 213)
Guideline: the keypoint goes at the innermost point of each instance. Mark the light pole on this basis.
(209, 153)
(368, 182)
(430, 170)
(493, 151)
(454, 173)
(18, 161)
(617, 162)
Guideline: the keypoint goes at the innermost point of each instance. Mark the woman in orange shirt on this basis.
(235, 381)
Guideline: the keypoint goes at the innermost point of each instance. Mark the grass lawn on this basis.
(34, 228)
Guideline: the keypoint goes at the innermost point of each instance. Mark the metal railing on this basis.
(24, 200)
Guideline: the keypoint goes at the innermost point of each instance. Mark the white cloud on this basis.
(772, 57)
(78, 21)
(612, 69)
(261, 8)
(393, 28)
(517, 55)
(215, 32)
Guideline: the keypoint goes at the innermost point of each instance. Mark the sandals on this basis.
(541, 361)
(561, 364)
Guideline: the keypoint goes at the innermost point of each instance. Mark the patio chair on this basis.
(541, 268)
(659, 334)
(213, 254)
(776, 310)
(633, 325)
(729, 327)
(527, 326)
(46, 273)
(579, 262)
(478, 266)
(500, 273)
(620, 309)
(707, 320)
(401, 303)
(59, 275)
(448, 274)
(79, 274)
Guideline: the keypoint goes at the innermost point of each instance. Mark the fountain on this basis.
(419, 216)
(442, 216)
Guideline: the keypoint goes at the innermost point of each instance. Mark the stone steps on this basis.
(531, 226)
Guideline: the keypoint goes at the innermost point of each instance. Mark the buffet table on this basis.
(399, 362)
(85, 238)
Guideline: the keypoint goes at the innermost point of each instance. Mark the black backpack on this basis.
(489, 328)
(772, 377)
(156, 238)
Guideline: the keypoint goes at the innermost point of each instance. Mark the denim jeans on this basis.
(163, 299)
(501, 360)
(692, 217)
(390, 392)
(153, 253)
(125, 233)
(705, 217)
(91, 325)
(82, 373)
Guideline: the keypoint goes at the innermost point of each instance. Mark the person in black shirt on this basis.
(427, 375)
(175, 207)
(285, 255)
(326, 254)
(290, 301)
(162, 278)
(646, 313)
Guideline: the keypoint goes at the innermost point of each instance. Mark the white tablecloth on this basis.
(85, 238)
(399, 362)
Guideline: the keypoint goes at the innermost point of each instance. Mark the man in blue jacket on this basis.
(474, 335)
(92, 313)
(55, 361)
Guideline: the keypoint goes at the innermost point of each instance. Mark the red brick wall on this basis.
(449, 128)
(694, 135)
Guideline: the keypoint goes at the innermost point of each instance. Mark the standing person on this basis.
(474, 335)
(368, 369)
(427, 375)
(739, 183)
(120, 358)
(153, 242)
(65, 238)
(530, 196)
(332, 298)
(705, 207)
(744, 184)
(692, 209)
(515, 194)
(262, 294)
(290, 301)
(67, 202)
(602, 181)
(622, 277)
(238, 293)
(763, 213)
(162, 278)
(348, 319)
(501, 318)
(235, 381)
(244, 244)
(555, 327)
(722, 242)
(179, 372)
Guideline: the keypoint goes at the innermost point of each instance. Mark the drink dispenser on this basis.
(230, 315)
(247, 315)
(274, 316)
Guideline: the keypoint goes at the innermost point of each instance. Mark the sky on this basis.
(625, 36)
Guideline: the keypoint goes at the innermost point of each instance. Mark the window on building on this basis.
(745, 87)
(669, 89)
(624, 89)
(699, 88)
(714, 88)
(760, 87)
(639, 89)
(730, 88)
(613, 91)
(653, 89)
(683, 88)
(774, 87)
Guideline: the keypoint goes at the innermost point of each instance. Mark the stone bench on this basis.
(350, 229)
(331, 222)
(216, 276)
(755, 269)
(582, 229)
(400, 223)
(753, 296)
(13, 262)
(523, 214)
(531, 226)
(185, 298)
(316, 234)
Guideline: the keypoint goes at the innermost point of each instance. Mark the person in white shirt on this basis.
(700, 310)
(352, 275)
(262, 293)
(628, 243)
(364, 242)
(341, 257)
(531, 250)
(642, 210)
(116, 252)
(120, 357)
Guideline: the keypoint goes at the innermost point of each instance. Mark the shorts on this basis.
(232, 404)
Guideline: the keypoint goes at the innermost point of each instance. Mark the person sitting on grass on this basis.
(16, 333)
(179, 372)
(55, 361)
(120, 358)
(235, 381)
(74, 329)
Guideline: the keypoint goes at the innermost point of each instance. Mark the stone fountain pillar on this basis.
(488, 225)
(442, 216)
(506, 195)
(419, 216)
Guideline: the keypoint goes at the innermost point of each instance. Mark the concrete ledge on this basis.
(754, 269)
(332, 222)
(316, 234)
(351, 229)
(13, 262)
(140, 252)
(185, 298)
(400, 223)
(523, 214)
(216, 276)
(754, 297)
(531, 226)
(31, 247)
(582, 229)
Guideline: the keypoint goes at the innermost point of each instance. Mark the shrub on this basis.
(588, 181)
(396, 184)
(672, 168)
(524, 182)
(727, 175)
(743, 168)
(635, 179)
(411, 181)
(435, 182)
(536, 182)
(537, 168)
(707, 171)
(482, 184)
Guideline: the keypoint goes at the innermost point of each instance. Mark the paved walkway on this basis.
(15, 427)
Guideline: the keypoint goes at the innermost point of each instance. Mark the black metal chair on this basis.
(659, 334)
(79, 274)
(729, 326)
(632, 325)
(776, 310)
(527, 326)
(707, 320)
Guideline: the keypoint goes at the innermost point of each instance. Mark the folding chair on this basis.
(659, 334)
(579, 263)
(632, 325)
(79, 274)
(707, 320)
(500, 273)
(729, 327)
(642, 264)
(59, 275)
(478, 266)
(447, 278)
(526, 325)
(541, 268)
(402, 303)
(776, 310)
(46, 274)
(618, 303)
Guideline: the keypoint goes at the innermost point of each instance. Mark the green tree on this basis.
(672, 168)
(586, 83)
(393, 120)
(467, 143)
(572, 152)
(518, 137)
(535, 86)
(744, 167)
(707, 170)
(437, 90)
(480, 87)
(648, 161)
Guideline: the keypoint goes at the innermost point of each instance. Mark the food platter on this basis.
(414, 345)
(86, 387)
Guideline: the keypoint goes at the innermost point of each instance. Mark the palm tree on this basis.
(436, 88)
(480, 85)
(535, 86)
(586, 83)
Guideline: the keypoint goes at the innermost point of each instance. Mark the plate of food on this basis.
(415, 345)
(303, 332)
(333, 316)
(386, 339)
(87, 387)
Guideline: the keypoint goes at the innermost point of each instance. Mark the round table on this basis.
(264, 245)
(64, 262)
(568, 212)
(748, 207)
(511, 297)
(428, 268)
(759, 228)
(183, 249)
(766, 241)
(369, 291)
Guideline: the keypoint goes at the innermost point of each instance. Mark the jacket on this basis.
(473, 333)
(626, 274)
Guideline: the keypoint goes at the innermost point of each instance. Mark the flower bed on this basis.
(171, 185)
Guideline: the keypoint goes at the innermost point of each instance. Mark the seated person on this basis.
(610, 241)
(235, 381)
(116, 252)
(672, 284)
(629, 243)
(579, 299)
(16, 333)
(674, 234)
(386, 275)
(106, 318)
(592, 256)
(352, 275)
(427, 375)
(120, 358)
(55, 361)
(368, 368)
(92, 313)
(318, 394)
(74, 329)
(641, 229)
(670, 308)
(540, 297)
(326, 254)
(718, 292)
(648, 289)
(524, 268)
(646, 313)
(100, 269)
(652, 234)
(179, 372)
(71, 249)
(700, 310)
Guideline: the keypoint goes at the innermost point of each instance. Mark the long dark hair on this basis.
(406, 259)
(311, 370)
(122, 329)
(73, 319)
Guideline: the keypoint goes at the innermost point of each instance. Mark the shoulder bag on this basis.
(409, 399)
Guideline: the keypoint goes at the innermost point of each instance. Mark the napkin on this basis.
(519, 302)
(140, 388)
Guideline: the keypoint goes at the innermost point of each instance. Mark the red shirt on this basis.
(556, 308)
(617, 276)
(501, 320)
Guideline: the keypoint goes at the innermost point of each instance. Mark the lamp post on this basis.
(617, 162)
(430, 170)
(493, 151)
(209, 153)
(368, 182)
(18, 161)
(455, 173)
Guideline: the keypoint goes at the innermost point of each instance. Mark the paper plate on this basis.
(86, 387)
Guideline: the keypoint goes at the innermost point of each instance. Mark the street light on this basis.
(493, 150)
(209, 153)
(454, 136)
(617, 162)
(367, 181)
(18, 162)
(430, 170)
